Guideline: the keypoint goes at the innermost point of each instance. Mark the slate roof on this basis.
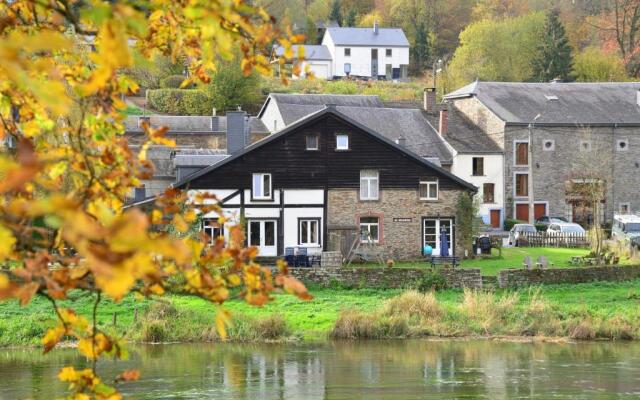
(190, 124)
(367, 37)
(558, 103)
(311, 52)
(309, 119)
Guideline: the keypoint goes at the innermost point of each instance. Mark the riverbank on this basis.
(602, 310)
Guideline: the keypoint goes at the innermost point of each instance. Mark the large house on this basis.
(377, 53)
(580, 133)
(328, 176)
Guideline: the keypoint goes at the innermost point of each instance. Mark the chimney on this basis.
(401, 141)
(237, 130)
(444, 122)
(429, 99)
(215, 121)
(375, 26)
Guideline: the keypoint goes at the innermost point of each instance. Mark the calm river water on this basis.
(415, 369)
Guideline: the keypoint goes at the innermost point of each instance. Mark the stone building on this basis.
(581, 132)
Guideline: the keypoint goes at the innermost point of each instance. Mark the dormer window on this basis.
(342, 142)
(312, 142)
(261, 188)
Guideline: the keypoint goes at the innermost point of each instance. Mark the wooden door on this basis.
(539, 210)
(522, 212)
(495, 218)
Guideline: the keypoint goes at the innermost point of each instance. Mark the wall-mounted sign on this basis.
(402, 219)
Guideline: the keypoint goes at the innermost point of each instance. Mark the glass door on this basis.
(431, 234)
(262, 234)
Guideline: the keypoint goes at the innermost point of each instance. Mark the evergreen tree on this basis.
(420, 49)
(336, 14)
(350, 20)
(554, 57)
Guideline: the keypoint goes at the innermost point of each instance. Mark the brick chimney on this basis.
(429, 99)
(443, 125)
(237, 131)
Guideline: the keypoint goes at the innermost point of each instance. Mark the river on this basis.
(410, 369)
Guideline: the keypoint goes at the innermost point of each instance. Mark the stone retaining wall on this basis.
(512, 278)
(385, 277)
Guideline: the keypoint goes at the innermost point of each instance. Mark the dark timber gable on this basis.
(293, 167)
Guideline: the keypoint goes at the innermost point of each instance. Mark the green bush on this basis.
(541, 227)
(180, 101)
(510, 222)
(172, 81)
(431, 280)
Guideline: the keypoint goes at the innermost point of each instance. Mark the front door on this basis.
(431, 234)
(374, 63)
(522, 212)
(539, 210)
(495, 218)
(263, 234)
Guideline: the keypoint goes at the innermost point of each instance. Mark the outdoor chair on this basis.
(543, 262)
(527, 263)
(289, 256)
(302, 259)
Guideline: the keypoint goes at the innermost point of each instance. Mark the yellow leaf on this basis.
(68, 374)
(7, 241)
(222, 321)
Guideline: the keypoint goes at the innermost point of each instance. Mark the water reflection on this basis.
(416, 369)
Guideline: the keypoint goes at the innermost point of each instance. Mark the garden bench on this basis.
(443, 260)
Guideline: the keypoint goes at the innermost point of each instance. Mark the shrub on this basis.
(172, 81)
(540, 227)
(413, 304)
(510, 222)
(180, 101)
(271, 328)
(355, 324)
(431, 280)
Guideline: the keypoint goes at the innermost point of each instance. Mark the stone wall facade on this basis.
(455, 278)
(401, 215)
(513, 278)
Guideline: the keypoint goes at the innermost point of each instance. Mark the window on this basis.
(488, 193)
(429, 189)
(522, 153)
(342, 142)
(369, 183)
(549, 145)
(347, 52)
(369, 229)
(522, 185)
(478, 166)
(261, 186)
(389, 52)
(312, 142)
(309, 231)
(213, 229)
(622, 144)
(585, 145)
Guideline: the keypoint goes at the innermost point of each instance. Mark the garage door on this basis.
(320, 70)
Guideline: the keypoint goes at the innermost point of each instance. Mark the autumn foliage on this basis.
(67, 168)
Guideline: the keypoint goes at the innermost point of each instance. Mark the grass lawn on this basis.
(132, 110)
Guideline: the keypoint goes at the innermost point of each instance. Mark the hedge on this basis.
(180, 101)
(172, 81)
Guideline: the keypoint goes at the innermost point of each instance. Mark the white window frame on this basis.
(261, 196)
(306, 142)
(429, 182)
(550, 148)
(369, 181)
(582, 145)
(368, 226)
(338, 146)
(206, 228)
(304, 238)
(472, 165)
(515, 153)
(626, 144)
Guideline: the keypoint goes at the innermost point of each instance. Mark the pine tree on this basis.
(336, 14)
(350, 20)
(420, 49)
(554, 57)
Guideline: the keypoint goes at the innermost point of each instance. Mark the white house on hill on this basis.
(378, 53)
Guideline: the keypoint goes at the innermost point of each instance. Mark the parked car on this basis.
(516, 232)
(626, 227)
(559, 229)
(546, 220)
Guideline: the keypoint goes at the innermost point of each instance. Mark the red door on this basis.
(495, 218)
(539, 210)
(522, 212)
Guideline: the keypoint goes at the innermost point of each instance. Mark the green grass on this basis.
(132, 110)
(193, 318)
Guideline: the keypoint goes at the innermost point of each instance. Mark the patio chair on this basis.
(527, 263)
(289, 256)
(543, 262)
(302, 259)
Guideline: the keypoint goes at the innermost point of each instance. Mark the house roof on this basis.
(367, 37)
(557, 103)
(186, 124)
(310, 119)
(311, 52)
